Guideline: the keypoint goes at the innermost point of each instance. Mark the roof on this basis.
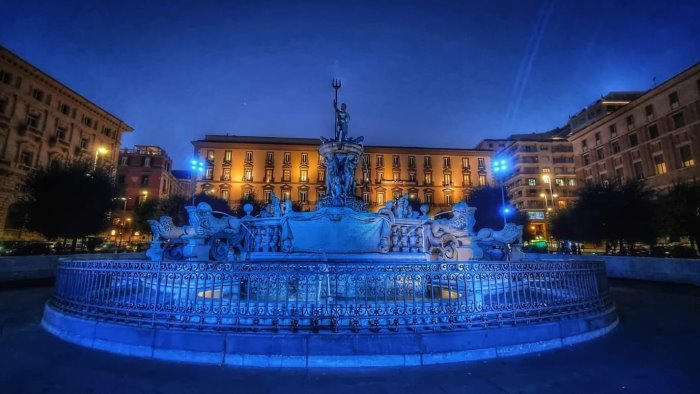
(181, 174)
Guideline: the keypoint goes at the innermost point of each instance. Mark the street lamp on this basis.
(121, 235)
(499, 166)
(547, 179)
(99, 151)
(197, 167)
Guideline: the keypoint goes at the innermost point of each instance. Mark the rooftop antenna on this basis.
(653, 80)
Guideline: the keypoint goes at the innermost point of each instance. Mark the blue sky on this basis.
(417, 73)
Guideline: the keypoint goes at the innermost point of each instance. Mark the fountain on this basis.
(338, 286)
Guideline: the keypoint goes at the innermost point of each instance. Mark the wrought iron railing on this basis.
(330, 296)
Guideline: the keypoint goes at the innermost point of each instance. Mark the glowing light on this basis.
(102, 150)
(197, 166)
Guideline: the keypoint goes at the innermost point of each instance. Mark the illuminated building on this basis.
(236, 166)
(43, 121)
(656, 137)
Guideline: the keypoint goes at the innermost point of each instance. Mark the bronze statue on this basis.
(342, 119)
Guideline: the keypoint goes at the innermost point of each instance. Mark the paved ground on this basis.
(656, 349)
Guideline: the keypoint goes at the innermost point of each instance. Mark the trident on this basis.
(336, 86)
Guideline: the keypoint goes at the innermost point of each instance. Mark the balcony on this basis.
(398, 182)
(225, 178)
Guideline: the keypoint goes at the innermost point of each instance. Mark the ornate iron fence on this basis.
(330, 296)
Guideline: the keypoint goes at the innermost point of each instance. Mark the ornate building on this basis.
(655, 137)
(291, 168)
(43, 121)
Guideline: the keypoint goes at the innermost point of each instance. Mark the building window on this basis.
(249, 157)
(653, 131)
(629, 120)
(26, 158)
(482, 180)
(3, 106)
(380, 161)
(466, 180)
(597, 138)
(686, 156)
(584, 145)
(286, 176)
(304, 176)
(429, 198)
(287, 158)
(365, 176)
(321, 176)
(224, 194)
(269, 158)
(87, 121)
(84, 143)
(365, 160)
(268, 175)
(615, 146)
(411, 176)
(428, 179)
(267, 195)
(448, 199)
(247, 175)
(599, 154)
(446, 162)
(228, 156)
(304, 158)
(481, 163)
(303, 196)
(38, 94)
(380, 198)
(447, 179)
(659, 164)
(226, 175)
(396, 176)
(673, 100)
(123, 160)
(33, 120)
(532, 181)
(65, 109)
(586, 159)
(146, 161)
(634, 141)
(144, 180)
(210, 156)
(649, 111)
(619, 174)
(465, 163)
(246, 193)
(427, 163)
(613, 131)
(559, 182)
(5, 77)
(571, 182)
(395, 161)
(380, 176)
(678, 120)
(365, 197)
(638, 171)
(62, 133)
(411, 161)
(209, 173)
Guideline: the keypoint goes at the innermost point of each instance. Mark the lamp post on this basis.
(499, 166)
(197, 167)
(123, 220)
(99, 151)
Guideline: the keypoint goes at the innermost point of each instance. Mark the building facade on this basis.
(43, 121)
(656, 137)
(145, 172)
(540, 176)
(292, 169)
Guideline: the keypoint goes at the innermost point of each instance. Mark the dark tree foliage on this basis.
(680, 212)
(258, 205)
(68, 200)
(487, 200)
(619, 213)
(174, 206)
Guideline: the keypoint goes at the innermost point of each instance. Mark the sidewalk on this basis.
(655, 349)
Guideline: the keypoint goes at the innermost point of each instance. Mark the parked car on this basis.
(29, 249)
(110, 247)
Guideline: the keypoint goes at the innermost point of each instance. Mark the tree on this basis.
(251, 198)
(680, 212)
(68, 200)
(621, 213)
(489, 208)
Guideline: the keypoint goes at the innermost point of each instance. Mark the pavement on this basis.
(655, 349)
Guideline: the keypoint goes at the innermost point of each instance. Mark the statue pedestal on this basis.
(155, 251)
(196, 249)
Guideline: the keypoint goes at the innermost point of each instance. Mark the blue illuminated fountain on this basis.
(338, 286)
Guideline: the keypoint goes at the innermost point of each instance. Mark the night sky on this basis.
(433, 73)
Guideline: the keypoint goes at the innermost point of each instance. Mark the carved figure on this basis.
(509, 234)
(460, 225)
(288, 210)
(349, 175)
(165, 229)
(204, 222)
(402, 207)
(342, 119)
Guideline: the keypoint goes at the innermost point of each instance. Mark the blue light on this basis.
(503, 163)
